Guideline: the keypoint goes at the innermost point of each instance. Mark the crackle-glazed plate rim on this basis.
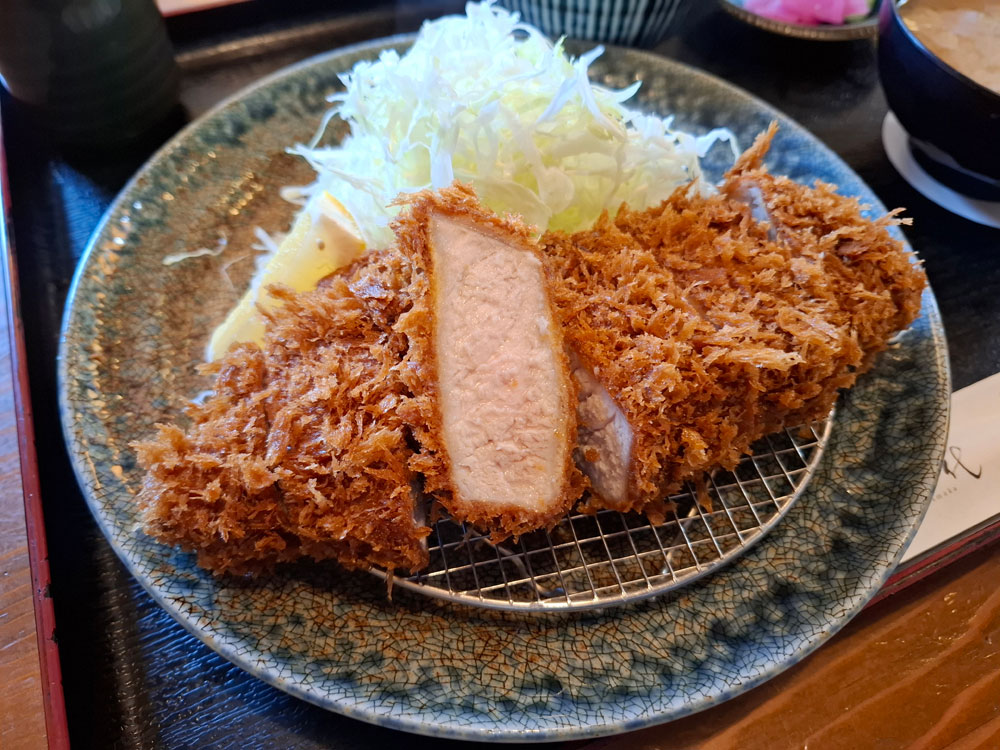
(599, 726)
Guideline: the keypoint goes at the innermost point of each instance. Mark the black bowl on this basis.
(953, 122)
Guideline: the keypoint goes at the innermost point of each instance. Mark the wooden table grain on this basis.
(22, 716)
(920, 669)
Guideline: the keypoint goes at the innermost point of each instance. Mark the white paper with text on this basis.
(967, 493)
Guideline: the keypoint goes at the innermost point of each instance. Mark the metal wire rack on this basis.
(592, 561)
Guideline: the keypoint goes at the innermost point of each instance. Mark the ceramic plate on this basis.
(866, 28)
(135, 328)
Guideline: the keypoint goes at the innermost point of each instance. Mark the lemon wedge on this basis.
(312, 250)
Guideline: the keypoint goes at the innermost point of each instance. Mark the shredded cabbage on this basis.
(485, 99)
(172, 258)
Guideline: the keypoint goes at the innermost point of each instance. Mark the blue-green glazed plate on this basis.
(135, 329)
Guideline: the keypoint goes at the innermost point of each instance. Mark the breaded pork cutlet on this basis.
(440, 355)
(496, 419)
(705, 323)
(301, 450)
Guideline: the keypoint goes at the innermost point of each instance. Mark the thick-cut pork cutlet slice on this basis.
(301, 451)
(497, 405)
(703, 327)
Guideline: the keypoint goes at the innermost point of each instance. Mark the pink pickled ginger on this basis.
(808, 12)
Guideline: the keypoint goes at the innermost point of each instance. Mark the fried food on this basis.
(693, 329)
(440, 355)
(705, 323)
(302, 450)
(497, 407)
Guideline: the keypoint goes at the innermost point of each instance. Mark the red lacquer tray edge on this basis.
(45, 623)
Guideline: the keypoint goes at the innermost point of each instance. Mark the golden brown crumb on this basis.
(304, 449)
(709, 332)
(708, 326)
(301, 451)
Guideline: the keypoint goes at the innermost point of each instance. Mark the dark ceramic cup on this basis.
(91, 72)
(953, 121)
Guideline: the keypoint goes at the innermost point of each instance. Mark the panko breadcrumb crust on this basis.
(311, 447)
(301, 450)
(420, 367)
(710, 328)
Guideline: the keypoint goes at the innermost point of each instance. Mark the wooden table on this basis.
(22, 716)
(920, 669)
(29, 664)
(917, 670)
